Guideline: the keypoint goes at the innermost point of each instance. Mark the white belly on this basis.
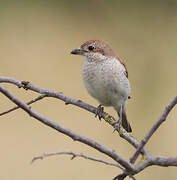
(106, 82)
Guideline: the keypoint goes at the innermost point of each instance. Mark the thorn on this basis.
(25, 84)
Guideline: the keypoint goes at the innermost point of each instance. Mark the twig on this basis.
(150, 160)
(109, 119)
(154, 128)
(129, 169)
(123, 176)
(109, 152)
(120, 176)
(28, 103)
(74, 155)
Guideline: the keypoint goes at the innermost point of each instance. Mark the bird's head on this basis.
(94, 50)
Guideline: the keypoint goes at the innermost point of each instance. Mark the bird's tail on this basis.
(125, 123)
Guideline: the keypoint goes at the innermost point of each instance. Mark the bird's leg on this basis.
(120, 116)
(118, 123)
(99, 112)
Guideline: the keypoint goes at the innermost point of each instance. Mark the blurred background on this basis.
(36, 38)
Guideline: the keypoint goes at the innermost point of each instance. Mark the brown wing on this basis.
(122, 62)
(126, 72)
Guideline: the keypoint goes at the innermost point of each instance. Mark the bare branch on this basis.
(11, 81)
(109, 119)
(123, 176)
(154, 128)
(156, 160)
(120, 176)
(101, 148)
(74, 155)
(128, 168)
(28, 103)
(153, 160)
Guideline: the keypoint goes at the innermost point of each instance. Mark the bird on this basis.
(105, 77)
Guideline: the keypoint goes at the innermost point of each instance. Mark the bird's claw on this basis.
(117, 125)
(99, 112)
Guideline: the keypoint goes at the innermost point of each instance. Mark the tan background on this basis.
(36, 38)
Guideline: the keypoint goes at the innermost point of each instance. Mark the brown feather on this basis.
(104, 49)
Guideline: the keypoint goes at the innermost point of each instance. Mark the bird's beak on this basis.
(78, 51)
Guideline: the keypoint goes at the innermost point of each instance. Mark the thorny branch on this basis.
(128, 168)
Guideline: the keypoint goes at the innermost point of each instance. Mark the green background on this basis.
(36, 38)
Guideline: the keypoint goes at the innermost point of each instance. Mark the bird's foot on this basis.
(99, 112)
(117, 126)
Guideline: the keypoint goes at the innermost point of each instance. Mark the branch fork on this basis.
(128, 167)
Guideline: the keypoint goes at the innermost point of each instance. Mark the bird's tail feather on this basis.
(125, 123)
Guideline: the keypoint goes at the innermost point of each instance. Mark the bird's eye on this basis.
(90, 48)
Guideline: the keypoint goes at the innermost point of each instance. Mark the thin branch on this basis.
(120, 176)
(28, 103)
(74, 155)
(154, 128)
(152, 160)
(11, 81)
(101, 148)
(130, 169)
(156, 160)
(123, 176)
(109, 119)
(164, 161)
